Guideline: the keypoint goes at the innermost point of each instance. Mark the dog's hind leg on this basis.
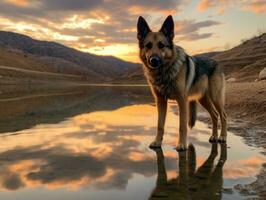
(219, 105)
(207, 104)
(218, 97)
(161, 108)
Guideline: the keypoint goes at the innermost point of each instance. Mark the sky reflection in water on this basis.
(102, 153)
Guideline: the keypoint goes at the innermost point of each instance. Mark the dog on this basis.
(173, 74)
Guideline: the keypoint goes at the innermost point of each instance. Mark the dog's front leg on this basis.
(161, 109)
(183, 119)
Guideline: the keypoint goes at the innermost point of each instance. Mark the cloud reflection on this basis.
(102, 148)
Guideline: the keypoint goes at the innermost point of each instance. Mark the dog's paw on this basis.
(213, 139)
(222, 139)
(155, 144)
(181, 147)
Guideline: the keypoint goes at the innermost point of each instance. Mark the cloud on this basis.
(97, 26)
(192, 25)
(92, 24)
(195, 36)
(70, 5)
(11, 181)
(220, 6)
(190, 29)
(21, 3)
(256, 6)
(207, 4)
(58, 9)
(102, 34)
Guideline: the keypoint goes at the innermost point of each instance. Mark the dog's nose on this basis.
(154, 61)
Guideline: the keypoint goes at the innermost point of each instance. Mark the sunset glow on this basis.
(108, 27)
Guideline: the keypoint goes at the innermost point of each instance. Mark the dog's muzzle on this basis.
(155, 62)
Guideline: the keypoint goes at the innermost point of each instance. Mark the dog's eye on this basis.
(148, 45)
(161, 45)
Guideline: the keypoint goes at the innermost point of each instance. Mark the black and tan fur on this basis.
(172, 74)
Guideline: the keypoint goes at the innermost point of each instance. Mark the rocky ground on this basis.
(246, 109)
(246, 106)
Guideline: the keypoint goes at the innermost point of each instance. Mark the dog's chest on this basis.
(167, 90)
(166, 85)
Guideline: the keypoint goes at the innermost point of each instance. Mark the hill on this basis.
(244, 61)
(21, 51)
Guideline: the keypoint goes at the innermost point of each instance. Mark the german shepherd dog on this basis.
(172, 74)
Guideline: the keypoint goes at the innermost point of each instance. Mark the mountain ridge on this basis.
(53, 53)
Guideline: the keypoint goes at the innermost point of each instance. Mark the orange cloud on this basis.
(244, 168)
(20, 3)
(220, 5)
(140, 9)
(257, 6)
(23, 3)
(205, 4)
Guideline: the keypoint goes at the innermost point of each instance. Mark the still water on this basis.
(92, 143)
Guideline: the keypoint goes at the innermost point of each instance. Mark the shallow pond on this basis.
(92, 143)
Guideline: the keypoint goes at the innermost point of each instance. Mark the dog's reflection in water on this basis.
(204, 183)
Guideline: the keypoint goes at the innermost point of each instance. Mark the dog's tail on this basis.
(192, 113)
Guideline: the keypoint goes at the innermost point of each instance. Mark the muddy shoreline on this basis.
(246, 109)
(253, 135)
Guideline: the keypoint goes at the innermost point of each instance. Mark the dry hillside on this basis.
(246, 60)
(23, 52)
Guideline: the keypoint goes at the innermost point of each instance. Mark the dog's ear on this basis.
(143, 28)
(168, 28)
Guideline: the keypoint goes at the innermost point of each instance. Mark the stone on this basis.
(262, 74)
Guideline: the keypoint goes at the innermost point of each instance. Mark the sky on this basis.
(108, 27)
